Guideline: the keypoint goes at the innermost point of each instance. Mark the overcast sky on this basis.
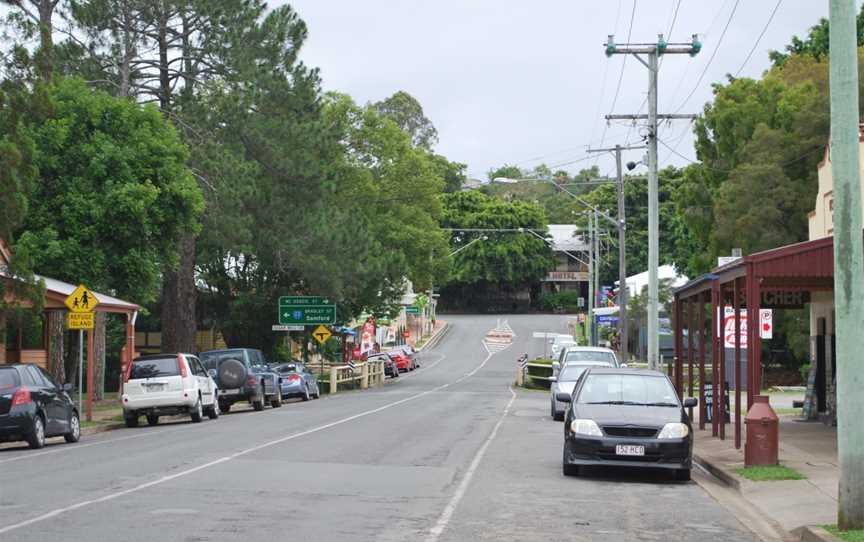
(510, 81)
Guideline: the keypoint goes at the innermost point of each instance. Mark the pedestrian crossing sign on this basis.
(321, 334)
(81, 300)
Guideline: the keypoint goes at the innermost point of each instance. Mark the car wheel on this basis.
(36, 438)
(131, 420)
(682, 475)
(317, 392)
(214, 412)
(152, 419)
(306, 393)
(197, 412)
(74, 434)
(277, 400)
(258, 405)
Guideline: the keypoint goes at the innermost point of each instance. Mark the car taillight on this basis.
(251, 382)
(182, 363)
(293, 378)
(21, 397)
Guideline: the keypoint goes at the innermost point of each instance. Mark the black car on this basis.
(628, 418)
(33, 407)
(241, 374)
(390, 368)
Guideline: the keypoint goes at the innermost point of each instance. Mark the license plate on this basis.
(154, 387)
(628, 449)
(229, 392)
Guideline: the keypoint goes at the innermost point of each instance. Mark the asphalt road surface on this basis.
(446, 453)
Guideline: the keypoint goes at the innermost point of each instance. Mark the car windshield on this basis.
(627, 389)
(155, 367)
(8, 378)
(571, 373)
(588, 356)
(287, 369)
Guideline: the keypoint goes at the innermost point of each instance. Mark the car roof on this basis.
(624, 371)
(589, 349)
(160, 356)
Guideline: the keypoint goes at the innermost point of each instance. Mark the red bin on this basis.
(763, 433)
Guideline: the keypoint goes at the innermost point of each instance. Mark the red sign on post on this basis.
(766, 324)
(729, 327)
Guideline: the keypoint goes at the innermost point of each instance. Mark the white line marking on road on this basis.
(162, 480)
(447, 514)
(68, 448)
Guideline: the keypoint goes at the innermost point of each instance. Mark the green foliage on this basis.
(114, 192)
(770, 473)
(566, 301)
(404, 110)
(815, 44)
(513, 257)
(855, 535)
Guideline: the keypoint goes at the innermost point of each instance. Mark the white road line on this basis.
(162, 480)
(447, 514)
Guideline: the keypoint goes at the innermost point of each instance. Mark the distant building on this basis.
(571, 261)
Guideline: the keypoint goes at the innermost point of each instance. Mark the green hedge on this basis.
(567, 301)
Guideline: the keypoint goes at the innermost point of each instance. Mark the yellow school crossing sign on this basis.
(81, 303)
(81, 300)
(321, 334)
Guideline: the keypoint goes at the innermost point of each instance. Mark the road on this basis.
(446, 453)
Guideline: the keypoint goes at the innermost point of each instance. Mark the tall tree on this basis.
(407, 113)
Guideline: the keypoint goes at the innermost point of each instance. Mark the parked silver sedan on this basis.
(565, 382)
(297, 381)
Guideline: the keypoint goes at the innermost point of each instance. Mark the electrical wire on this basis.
(620, 78)
(782, 164)
(761, 34)
(711, 59)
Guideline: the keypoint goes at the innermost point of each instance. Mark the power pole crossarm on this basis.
(669, 116)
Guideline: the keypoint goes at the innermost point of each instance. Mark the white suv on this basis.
(168, 384)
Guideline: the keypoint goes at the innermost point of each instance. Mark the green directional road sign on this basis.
(292, 300)
(412, 310)
(307, 315)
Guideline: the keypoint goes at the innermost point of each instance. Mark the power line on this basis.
(711, 59)
(761, 34)
(620, 75)
(782, 164)
(605, 74)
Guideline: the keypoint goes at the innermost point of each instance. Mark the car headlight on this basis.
(674, 430)
(586, 427)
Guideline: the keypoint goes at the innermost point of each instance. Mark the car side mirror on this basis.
(67, 387)
(212, 373)
(563, 397)
(690, 402)
(553, 379)
(556, 365)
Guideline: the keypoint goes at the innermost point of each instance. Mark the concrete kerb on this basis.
(727, 477)
(436, 337)
(814, 534)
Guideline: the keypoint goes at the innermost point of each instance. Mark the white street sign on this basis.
(278, 327)
(766, 324)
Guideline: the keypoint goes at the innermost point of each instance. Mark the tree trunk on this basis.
(99, 356)
(56, 335)
(179, 322)
(45, 55)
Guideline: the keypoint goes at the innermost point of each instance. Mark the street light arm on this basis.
(538, 236)
(460, 249)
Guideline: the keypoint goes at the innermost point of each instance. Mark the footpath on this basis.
(795, 508)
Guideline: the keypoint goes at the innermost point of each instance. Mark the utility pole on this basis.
(848, 261)
(652, 51)
(596, 272)
(590, 326)
(623, 292)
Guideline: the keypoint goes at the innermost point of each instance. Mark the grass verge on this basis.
(770, 473)
(856, 535)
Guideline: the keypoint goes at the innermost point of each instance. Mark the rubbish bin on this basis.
(763, 433)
